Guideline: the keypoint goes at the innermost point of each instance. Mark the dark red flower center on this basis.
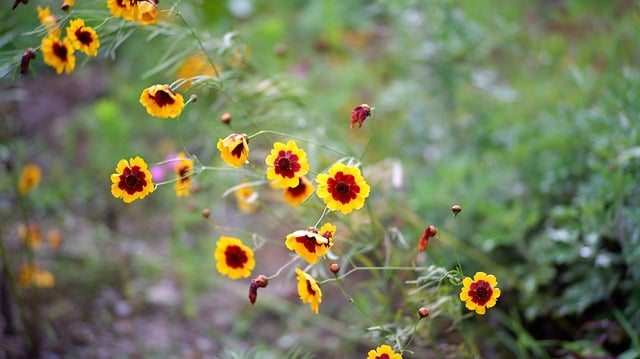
(286, 164)
(383, 356)
(60, 50)
(310, 288)
(132, 180)
(236, 257)
(298, 190)
(162, 98)
(238, 150)
(184, 173)
(343, 187)
(308, 242)
(83, 36)
(480, 292)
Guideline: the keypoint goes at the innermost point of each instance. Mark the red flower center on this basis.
(383, 356)
(183, 174)
(132, 180)
(60, 51)
(84, 36)
(286, 164)
(236, 257)
(298, 190)
(308, 242)
(343, 187)
(480, 292)
(310, 288)
(162, 98)
(238, 150)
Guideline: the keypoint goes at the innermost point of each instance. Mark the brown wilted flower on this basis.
(359, 114)
(27, 56)
(260, 281)
(429, 232)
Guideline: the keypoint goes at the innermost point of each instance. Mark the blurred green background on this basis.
(525, 113)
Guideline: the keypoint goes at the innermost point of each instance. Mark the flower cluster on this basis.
(141, 11)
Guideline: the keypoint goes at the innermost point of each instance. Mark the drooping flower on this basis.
(343, 189)
(83, 38)
(127, 9)
(359, 114)
(480, 292)
(132, 180)
(28, 55)
(311, 244)
(247, 199)
(298, 194)
(197, 65)
(29, 178)
(309, 290)
(234, 149)
(184, 173)
(234, 259)
(383, 352)
(147, 12)
(58, 54)
(286, 164)
(30, 234)
(429, 232)
(161, 101)
(47, 19)
(31, 275)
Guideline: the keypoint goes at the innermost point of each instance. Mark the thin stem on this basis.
(297, 138)
(291, 261)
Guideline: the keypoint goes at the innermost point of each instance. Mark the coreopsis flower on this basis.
(309, 290)
(298, 194)
(161, 101)
(127, 9)
(234, 149)
(29, 178)
(132, 180)
(30, 234)
(31, 275)
(58, 54)
(247, 199)
(234, 259)
(383, 352)
(343, 189)
(147, 12)
(48, 20)
(286, 164)
(480, 292)
(197, 65)
(54, 238)
(359, 114)
(184, 172)
(83, 38)
(311, 244)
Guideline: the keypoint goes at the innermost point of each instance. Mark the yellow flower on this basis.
(127, 9)
(234, 149)
(29, 178)
(30, 234)
(480, 292)
(83, 38)
(32, 275)
(311, 244)
(132, 180)
(184, 173)
(234, 259)
(147, 12)
(383, 352)
(161, 101)
(247, 199)
(343, 189)
(286, 164)
(54, 238)
(309, 290)
(68, 3)
(47, 19)
(197, 65)
(58, 54)
(298, 194)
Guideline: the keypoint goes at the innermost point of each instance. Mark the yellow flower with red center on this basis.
(286, 164)
(311, 244)
(147, 12)
(234, 259)
(132, 180)
(298, 194)
(66, 4)
(184, 173)
(31, 275)
(47, 19)
(29, 178)
(234, 149)
(480, 292)
(58, 53)
(343, 189)
(247, 199)
(309, 290)
(83, 38)
(383, 352)
(161, 101)
(30, 234)
(127, 9)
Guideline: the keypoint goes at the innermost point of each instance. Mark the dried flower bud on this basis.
(225, 118)
(261, 280)
(429, 232)
(334, 268)
(17, 2)
(456, 209)
(359, 114)
(193, 98)
(65, 6)
(423, 312)
(27, 56)
(206, 213)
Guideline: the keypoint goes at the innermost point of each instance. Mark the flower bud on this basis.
(334, 268)
(206, 213)
(456, 209)
(423, 312)
(261, 280)
(429, 232)
(193, 98)
(225, 118)
(27, 56)
(359, 114)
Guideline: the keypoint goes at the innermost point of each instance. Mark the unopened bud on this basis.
(456, 209)
(206, 213)
(225, 118)
(334, 268)
(423, 312)
(261, 280)
(28, 55)
(193, 98)
(431, 231)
